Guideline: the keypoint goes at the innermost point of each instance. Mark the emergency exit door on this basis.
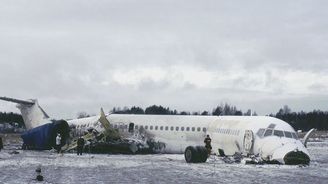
(248, 141)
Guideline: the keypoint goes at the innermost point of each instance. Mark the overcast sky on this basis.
(80, 55)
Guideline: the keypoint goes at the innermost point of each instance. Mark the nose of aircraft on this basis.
(291, 154)
(296, 157)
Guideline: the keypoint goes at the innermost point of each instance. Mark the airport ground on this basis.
(18, 166)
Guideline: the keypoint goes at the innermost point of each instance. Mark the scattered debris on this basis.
(14, 152)
(39, 176)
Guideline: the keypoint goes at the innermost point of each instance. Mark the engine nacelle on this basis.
(44, 137)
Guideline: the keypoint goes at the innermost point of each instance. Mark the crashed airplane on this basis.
(270, 139)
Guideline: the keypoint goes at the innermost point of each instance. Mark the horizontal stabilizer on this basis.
(33, 115)
(17, 101)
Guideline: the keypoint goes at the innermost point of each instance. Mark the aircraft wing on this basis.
(307, 136)
(109, 131)
(73, 145)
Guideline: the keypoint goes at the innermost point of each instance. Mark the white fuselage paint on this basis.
(227, 133)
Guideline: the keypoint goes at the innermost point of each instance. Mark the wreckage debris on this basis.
(14, 152)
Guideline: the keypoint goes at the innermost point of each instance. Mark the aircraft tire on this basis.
(202, 153)
(190, 154)
(196, 154)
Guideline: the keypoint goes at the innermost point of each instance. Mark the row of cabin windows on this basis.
(228, 131)
(87, 125)
(172, 128)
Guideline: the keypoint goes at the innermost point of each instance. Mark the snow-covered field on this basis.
(161, 168)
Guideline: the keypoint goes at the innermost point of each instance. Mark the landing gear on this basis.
(197, 154)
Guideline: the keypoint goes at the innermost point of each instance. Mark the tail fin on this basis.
(33, 114)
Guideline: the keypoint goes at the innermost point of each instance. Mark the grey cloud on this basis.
(65, 52)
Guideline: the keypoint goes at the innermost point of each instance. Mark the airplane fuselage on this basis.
(267, 137)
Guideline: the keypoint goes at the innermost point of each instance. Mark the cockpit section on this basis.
(271, 131)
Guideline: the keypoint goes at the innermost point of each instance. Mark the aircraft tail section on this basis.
(33, 115)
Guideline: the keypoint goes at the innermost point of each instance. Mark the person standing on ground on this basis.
(208, 146)
(80, 145)
(58, 143)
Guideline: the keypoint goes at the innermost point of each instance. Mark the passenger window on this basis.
(146, 127)
(125, 126)
(193, 129)
(198, 129)
(177, 128)
(151, 127)
(260, 132)
(188, 128)
(288, 134)
(204, 129)
(136, 127)
(166, 128)
(141, 127)
(268, 132)
(182, 128)
(172, 128)
(161, 128)
(156, 127)
(278, 133)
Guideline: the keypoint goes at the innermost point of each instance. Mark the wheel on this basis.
(202, 153)
(195, 154)
(190, 154)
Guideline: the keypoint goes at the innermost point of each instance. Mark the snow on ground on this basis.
(160, 168)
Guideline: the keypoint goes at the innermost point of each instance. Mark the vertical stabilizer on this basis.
(33, 115)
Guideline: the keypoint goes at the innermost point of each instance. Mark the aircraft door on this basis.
(131, 127)
(248, 141)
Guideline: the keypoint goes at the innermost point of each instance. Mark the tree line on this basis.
(303, 120)
(10, 117)
(223, 109)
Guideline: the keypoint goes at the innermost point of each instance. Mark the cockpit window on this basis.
(260, 132)
(268, 132)
(272, 126)
(278, 133)
(288, 134)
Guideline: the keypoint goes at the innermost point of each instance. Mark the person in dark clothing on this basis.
(208, 146)
(1, 143)
(80, 145)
